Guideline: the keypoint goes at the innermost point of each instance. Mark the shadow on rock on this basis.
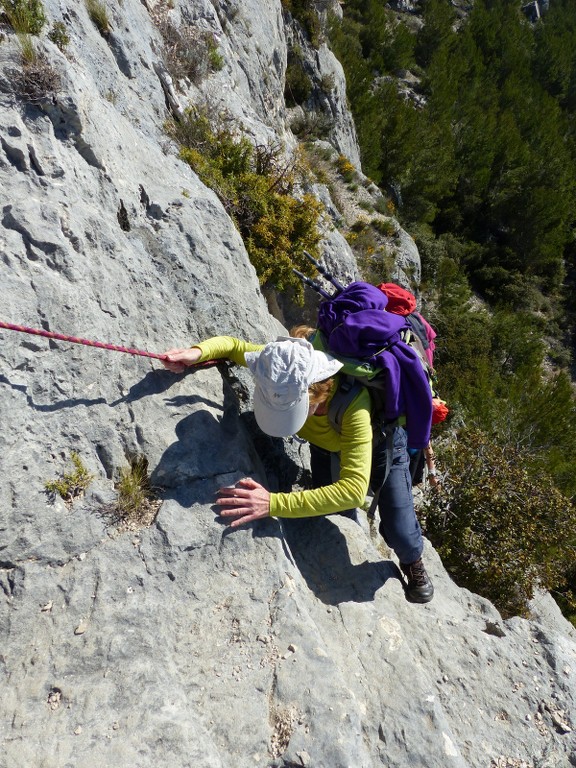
(155, 383)
(207, 451)
(49, 408)
(268, 528)
(320, 552)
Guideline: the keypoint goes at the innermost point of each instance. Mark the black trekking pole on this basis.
(313, 284)
(324, 272)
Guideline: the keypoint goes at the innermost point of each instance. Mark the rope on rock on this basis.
(88, 342)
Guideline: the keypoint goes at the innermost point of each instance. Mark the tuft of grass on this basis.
(137, 503)
(25, 16)
(386, 227)
(37, 78)
(30, 56)
(71, 485)
(99, 16)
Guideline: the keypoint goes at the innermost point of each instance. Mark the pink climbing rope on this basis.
(88, 343)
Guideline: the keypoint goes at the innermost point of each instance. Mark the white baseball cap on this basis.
(284, 370)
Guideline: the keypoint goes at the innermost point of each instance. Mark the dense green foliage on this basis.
(478, 154)
(511, 461)
(510, 523)
(258, 192)
(519, 417)
(487, 150)
(305, 12)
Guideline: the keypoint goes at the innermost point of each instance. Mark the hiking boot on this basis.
(419, 588)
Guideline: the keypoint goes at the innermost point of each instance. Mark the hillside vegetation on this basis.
(468, 123)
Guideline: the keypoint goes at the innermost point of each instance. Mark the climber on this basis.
(293, 385)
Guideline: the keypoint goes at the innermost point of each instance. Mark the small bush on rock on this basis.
(188, 52)
(310, 125)
(71, 485)
(386, 227)
(304, 11)
(59, 35)
(346, 169)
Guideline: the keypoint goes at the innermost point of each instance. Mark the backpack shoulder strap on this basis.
(348, 388)
(418, 327)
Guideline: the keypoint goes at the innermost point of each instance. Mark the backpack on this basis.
(402, 302)
(353, 327)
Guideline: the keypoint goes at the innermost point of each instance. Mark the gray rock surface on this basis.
(183, 643)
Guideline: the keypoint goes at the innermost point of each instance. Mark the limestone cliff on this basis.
(181, 643)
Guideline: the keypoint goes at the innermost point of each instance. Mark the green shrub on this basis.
(346, 169)
(71, 485)
(501, 529)
(278, 237)
(386, 227)
(25, 16)
(257, 190)
(58, 35)
(214, 56)
(385, 206)
(304, 11)
(298, 85)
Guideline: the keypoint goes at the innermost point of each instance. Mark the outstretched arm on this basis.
(216, 348)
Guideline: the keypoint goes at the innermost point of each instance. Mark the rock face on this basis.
(183, 643)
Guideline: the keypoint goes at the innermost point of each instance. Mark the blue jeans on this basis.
(399, 526)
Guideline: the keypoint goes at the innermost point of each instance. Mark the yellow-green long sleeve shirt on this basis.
(353, 443)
